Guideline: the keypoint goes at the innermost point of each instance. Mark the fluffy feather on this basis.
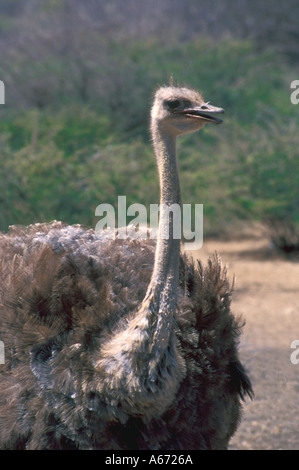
(63, 292)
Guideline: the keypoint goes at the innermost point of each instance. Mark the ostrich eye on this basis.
(172, 104)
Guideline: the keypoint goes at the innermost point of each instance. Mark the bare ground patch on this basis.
(266, 294)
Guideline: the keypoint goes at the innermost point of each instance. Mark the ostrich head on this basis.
(182, 111)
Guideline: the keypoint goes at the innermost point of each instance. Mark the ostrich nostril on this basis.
(204, 107)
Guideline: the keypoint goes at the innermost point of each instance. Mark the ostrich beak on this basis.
(204, 112)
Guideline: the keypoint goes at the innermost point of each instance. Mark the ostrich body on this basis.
(119, 344)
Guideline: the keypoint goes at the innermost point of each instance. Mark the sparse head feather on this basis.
(173, 92)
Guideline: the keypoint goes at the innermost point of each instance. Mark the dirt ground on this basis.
(266, 294)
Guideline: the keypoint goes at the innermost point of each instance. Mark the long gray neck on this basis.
(164, 283)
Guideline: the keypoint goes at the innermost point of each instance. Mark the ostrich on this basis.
(119, 343)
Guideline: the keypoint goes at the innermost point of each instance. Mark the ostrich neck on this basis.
(164, 283)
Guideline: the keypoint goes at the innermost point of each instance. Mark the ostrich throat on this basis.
(162, 291)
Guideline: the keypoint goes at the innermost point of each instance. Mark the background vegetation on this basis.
(79, 80)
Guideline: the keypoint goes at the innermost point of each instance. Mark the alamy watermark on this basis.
(295, 94)
(187, 222)
(295, 354)
(2, 355)
(2, 92)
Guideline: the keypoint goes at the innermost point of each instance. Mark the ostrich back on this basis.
(63, 292)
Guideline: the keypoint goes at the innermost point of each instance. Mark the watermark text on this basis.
(295, 354)
(2, 356)
(295, 94)
(2, 92)
(184, 222)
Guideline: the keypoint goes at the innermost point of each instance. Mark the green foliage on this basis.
(45, 178)
(59, 160)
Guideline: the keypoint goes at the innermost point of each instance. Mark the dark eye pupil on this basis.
(172, 104)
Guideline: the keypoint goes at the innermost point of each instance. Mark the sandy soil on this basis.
(267, 295)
